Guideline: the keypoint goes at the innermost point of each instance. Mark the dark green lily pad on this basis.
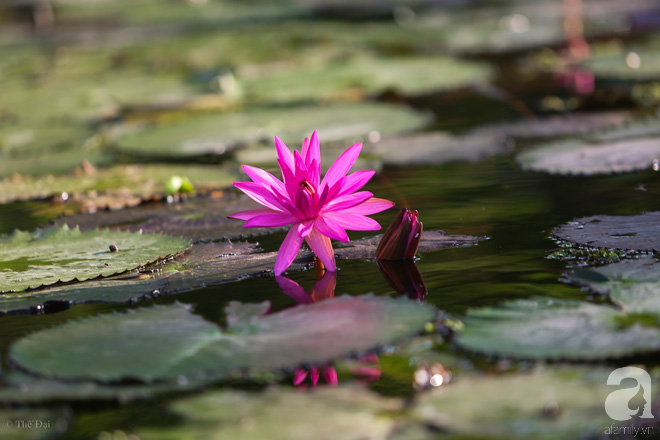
(546, 403)
(281, 414)
(203, 218)
(559, 125)
(164, 342)
(143, 181)
(362, 76)
(208, 135)
(631, 232)
(437, 148)
(555, 329)
(588, 158)
(51, 255)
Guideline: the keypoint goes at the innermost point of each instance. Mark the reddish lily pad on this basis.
(633, 232)
(155, 343)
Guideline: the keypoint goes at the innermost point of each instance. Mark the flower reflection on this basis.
(367, 368)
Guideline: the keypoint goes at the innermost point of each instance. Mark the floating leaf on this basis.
(282, 414)
(559, 125)
(555, 329)
(141, 180)
(631, 232)
(362, 75)
(431, 241)
(212, 134)
(583, 157)
(164, 342)
(562, 402)
(437, 148)
(55, 254)
(203, 218)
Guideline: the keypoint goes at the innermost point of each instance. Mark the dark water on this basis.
(516, 210)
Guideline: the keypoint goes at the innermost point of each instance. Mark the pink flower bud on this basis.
(401, 239)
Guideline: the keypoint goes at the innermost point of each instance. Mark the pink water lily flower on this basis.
(318, 210)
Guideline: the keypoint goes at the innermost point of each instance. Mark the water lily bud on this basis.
(401, 239)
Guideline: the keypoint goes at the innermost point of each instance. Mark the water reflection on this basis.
(404, 277)
(367, 368)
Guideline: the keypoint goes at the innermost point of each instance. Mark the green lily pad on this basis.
(282, 414)
(546, 403)
(21, 388)
(634, 285)
(164, 342)
(212, 134)
(51, 255)
(437, 148)
(144, 181)
(555, 329)
(203, 218)
(631, 232)
(362, 75)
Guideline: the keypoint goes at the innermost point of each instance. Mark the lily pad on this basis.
(164, 342)
(212, 134)
(555, 329)
(142, 180)
(632, 232)
(438, 148)
(363, 76)
(51, 255)
(203, 218)
(431, 241)
(559, 125)
(588, 158)
(546, 403)
(282, 414)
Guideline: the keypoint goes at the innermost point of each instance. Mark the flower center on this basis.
(307, 199)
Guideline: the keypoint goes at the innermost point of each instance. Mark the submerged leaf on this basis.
(164, 342)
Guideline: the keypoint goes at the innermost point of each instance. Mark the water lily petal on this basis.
(251, 213)
(314, 375)
(347, 201)
(260, 194)
(322, 247)
(354, 182)
(305, 228)
(264, 178)
(284, 154)
(288, 250)
(270, 220)
(353, 222)
(313, 159)
(330, 229)
(371, 206)
(341, 166)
